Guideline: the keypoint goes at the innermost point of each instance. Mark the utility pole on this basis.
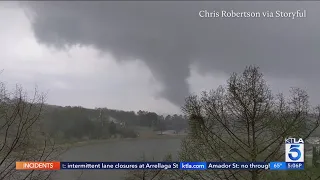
(101, 117)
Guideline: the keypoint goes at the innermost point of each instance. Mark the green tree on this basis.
(316, 156)
(112, 128)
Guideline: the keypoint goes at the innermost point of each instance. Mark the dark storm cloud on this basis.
(169, 36)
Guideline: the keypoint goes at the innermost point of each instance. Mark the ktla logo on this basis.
(294, 150)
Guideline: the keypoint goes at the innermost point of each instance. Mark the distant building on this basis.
(103, 118)
(114, 120)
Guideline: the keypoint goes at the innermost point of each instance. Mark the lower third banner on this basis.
(142, 165)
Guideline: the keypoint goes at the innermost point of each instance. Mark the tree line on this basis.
(76, 123)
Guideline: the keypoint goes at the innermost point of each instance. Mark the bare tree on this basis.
(21, 134)
(244, 121)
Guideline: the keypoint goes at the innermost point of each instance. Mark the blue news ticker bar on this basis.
(118, 165)
(193, 166)
(164, 165)
(295, 165)
(278, 166)
(286, 166)
(237, 165)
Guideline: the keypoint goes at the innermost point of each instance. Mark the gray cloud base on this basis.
(169, 36)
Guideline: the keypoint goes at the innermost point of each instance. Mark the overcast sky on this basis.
(151, 55)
